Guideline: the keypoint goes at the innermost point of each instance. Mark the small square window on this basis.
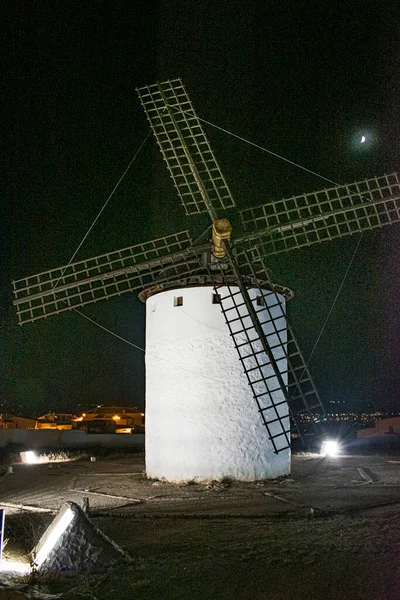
(178, 301)
(260, 301)
(216, 299)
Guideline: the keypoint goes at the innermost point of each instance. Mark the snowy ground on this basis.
(331, 530)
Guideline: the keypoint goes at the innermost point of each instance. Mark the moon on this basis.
(362, 139)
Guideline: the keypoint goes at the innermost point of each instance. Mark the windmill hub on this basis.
(221, 231)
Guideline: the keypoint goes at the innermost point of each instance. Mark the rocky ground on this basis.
(330, 531)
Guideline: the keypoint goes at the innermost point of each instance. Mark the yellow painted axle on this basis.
(221, 230)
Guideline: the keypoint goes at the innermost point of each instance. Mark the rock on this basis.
(74, 543)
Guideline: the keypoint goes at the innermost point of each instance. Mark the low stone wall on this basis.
(36, 439)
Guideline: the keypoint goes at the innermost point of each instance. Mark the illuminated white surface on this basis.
(13, 566)
(54, 536)
(202, 421)
(29, 457)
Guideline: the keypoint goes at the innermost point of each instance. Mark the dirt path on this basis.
(329, 532)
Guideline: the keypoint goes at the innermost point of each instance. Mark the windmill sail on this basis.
(100, 277)
(279, 376)
(185, 148)
(322, 216)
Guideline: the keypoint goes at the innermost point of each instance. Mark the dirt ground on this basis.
(330, 531)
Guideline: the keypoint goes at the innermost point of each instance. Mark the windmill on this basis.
(226, 382)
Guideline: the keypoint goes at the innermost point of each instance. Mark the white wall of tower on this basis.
(202, 421)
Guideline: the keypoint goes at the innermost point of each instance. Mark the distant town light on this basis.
(116, 417)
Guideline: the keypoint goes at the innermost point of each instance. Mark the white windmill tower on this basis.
(225, 379)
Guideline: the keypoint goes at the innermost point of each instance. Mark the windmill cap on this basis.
(207, 280)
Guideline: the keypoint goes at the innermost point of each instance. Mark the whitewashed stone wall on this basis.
(202, 421)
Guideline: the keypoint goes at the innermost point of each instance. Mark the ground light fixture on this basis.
(29, 457)
(55, 531)
(330, 448)
(13, 566)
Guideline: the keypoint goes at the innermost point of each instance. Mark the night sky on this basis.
(304, 79)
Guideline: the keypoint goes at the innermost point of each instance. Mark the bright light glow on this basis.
(12, 566)
(330, 448)
(363, 139)
(116, 417)
(29, 457)
(54, 536)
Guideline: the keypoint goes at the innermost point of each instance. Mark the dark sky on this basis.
(300, 78)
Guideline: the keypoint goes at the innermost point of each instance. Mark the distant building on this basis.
(382, 427)
(112, 419)
(61, 421)
(8, 421)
